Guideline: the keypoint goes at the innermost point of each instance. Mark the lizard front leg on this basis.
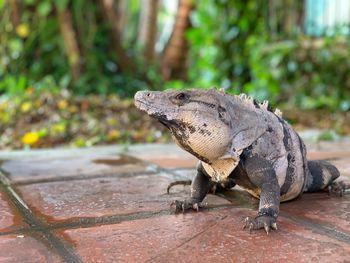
(261, 173)
(199, 189)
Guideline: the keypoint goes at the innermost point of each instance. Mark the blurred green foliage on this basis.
(306, 73)
(230, 46)
(237, 45)
(33, 53)
(28, 56)
(47, 119)
(219, 42)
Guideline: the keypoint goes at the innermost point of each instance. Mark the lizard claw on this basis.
(274, 226)
(267, 228)
(266, 222)
(338, 188)
(195, 206)
(182, 206)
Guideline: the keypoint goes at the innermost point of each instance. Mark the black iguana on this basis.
(238, 141)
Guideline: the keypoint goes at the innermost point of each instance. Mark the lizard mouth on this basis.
(142, 105)
(152, 111)
(162, 119)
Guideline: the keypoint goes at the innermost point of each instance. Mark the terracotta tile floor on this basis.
(109, 204)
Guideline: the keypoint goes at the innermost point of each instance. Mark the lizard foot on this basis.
(182, 206)
(179, 182)
(264, 221)
(339, 188)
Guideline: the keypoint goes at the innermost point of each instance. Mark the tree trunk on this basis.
(301, 14)
(148, 27)
(293, 16)
(70, 41)
(111, 17)
(122, 16)
(290, 16)
(15, 12)
(174, 59)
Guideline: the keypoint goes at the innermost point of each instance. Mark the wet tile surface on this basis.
(171, 163)
(50, 168)
(138, 241)
(215, 236)
(23, 248)
(167, 156)
(10, 218)
(97, 197)
(113, 207)
(333, 212)
(225, 241)
(59, 201)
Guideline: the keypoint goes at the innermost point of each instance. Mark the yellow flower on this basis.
(113, 135)
(62, 104)
(26, 106)
(22, 30)
(30, 138)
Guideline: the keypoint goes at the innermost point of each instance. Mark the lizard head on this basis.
(198, 119)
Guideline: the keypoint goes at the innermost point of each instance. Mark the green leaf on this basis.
(29, 2)
(2, 4)
(44, 8)
(15, 47)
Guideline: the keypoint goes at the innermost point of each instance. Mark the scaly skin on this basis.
(239, 141)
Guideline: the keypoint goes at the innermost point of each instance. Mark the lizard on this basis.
(238, 141)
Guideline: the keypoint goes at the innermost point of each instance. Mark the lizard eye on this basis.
(181, 96)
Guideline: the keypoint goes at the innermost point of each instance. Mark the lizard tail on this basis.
(321, 175)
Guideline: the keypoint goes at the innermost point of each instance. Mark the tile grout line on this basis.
(63, 251)
(18, 231)
(78, 178)
(20, 204)
(87, 222)
(319, 228)
(150, 169)
(116, 219)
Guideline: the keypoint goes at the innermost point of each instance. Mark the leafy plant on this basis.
(304, 72)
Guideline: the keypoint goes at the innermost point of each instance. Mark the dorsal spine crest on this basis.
(248, 100)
